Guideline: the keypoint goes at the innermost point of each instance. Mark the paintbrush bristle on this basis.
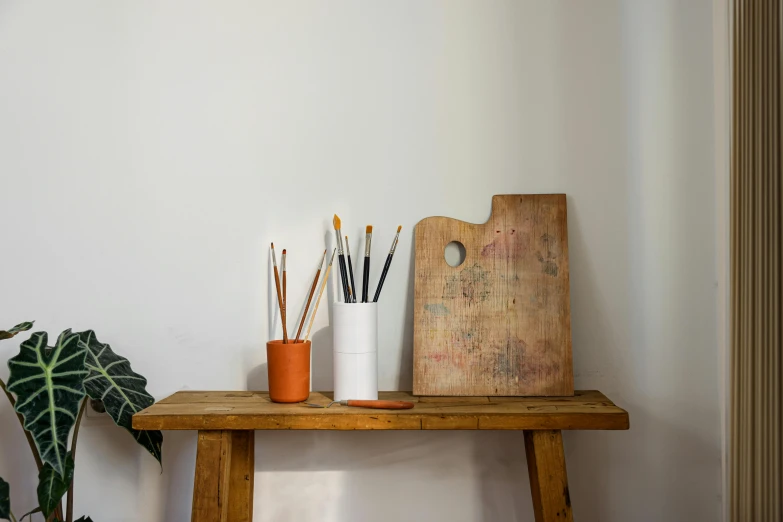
(399, 228)
(369, 229)
(336, 222)
(284, 251)
(273, 246)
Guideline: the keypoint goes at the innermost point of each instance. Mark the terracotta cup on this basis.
(288, 366)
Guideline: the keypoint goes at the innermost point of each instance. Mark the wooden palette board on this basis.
(499, 324)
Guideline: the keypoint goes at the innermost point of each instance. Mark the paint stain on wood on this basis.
(547, 257)
(550, 268)
(437, 309)
(472, 283)
(507, 245)
(509, 357)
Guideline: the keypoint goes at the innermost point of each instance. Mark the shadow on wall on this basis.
(322, 376)
(342, 473)
(179, 458)
(405, 378)
(258, 378)
(503, 483)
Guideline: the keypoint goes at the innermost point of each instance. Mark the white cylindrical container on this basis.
(355, 351)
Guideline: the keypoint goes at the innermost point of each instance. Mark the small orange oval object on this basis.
(288, 367)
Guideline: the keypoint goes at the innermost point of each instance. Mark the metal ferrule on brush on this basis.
(347, 248)
(394, 244)
(367, 241)
(339, 242)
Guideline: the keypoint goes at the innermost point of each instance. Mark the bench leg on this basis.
(223, 486)
(548, 481)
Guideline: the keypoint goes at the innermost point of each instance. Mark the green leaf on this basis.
(5, 500)
(52, 486)
(122, 390)
(48, 386)
(21, 327)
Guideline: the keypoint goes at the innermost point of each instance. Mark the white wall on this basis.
(150, 151)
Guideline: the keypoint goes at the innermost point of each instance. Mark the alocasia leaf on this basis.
(5, 500)
(21, 327)
(122, 390)
(52, 486)
(48, 386)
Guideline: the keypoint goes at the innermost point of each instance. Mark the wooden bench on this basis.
(223, 486)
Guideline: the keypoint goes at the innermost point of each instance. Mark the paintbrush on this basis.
(341, 258)
(283, 270)
(387, 265)
(366, 273)
(283, 310)
(279, 295)
(320, 293)
(352, 289)
(310, 297)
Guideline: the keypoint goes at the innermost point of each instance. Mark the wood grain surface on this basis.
(223, 484)
(241, 477)
(214, 410)
(210, 487)
(548, 480)
(500, 323)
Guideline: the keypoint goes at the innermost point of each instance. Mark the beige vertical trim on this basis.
(756, 435)
(721, 51)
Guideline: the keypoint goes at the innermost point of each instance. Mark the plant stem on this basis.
(69, 512)
(13, 518)
(27, 434)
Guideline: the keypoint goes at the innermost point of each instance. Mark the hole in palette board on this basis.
(454, 253)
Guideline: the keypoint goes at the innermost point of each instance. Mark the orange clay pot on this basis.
(288, 366)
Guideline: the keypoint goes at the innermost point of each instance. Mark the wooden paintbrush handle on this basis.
(307, 306)
(281, 305)
(381, 405)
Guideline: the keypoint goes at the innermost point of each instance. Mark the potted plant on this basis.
(48, 388)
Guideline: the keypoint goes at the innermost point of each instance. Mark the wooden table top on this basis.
(222, 410)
